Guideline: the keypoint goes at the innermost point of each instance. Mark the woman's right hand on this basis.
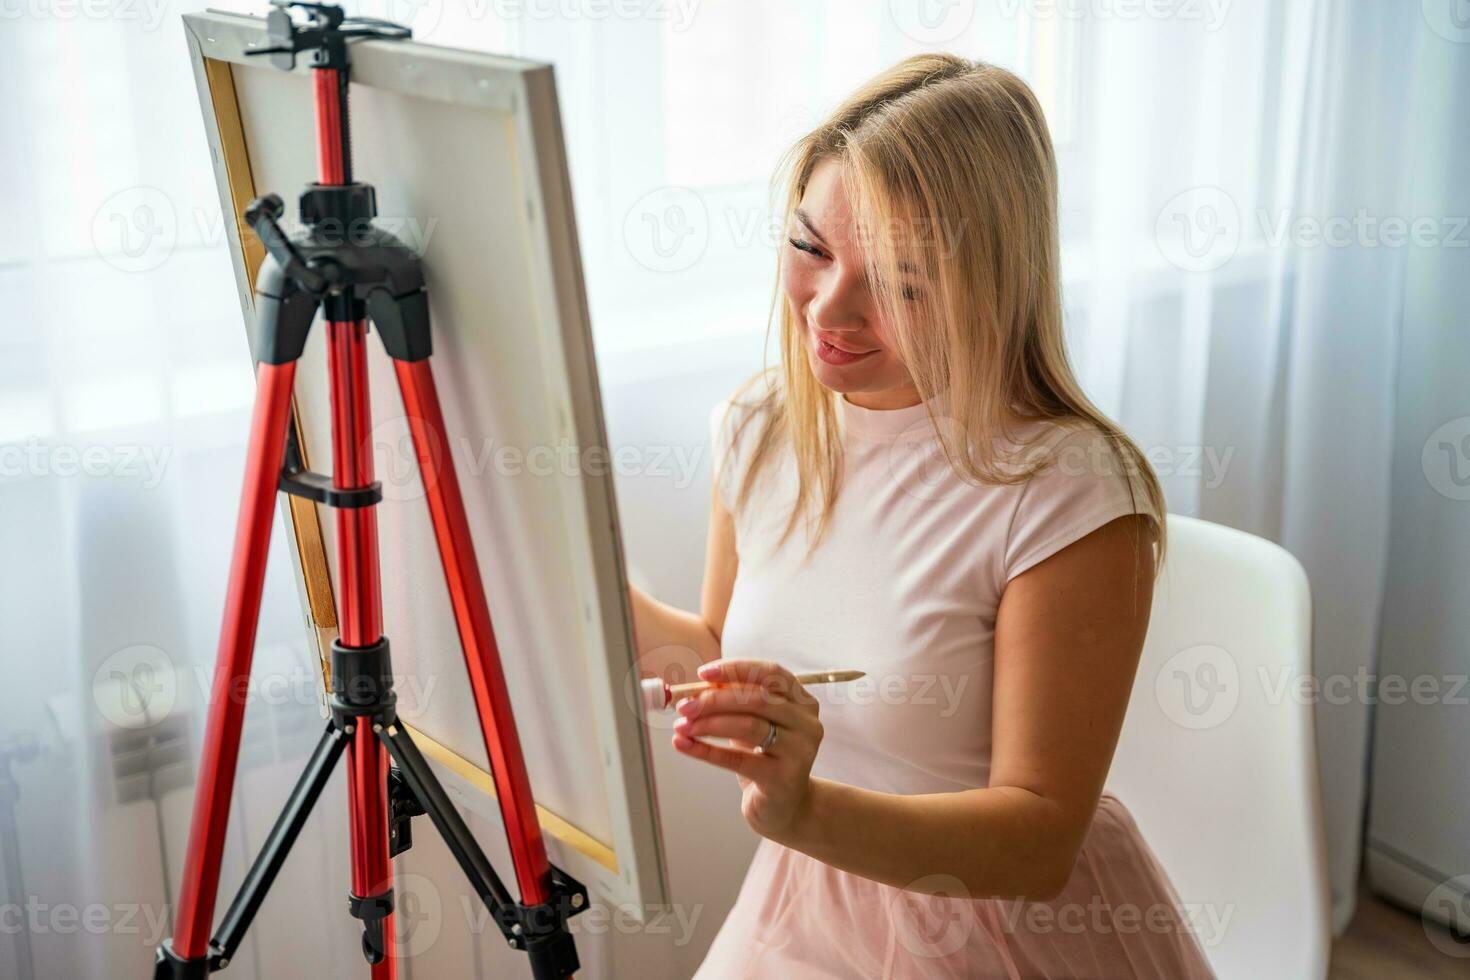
(758, 704)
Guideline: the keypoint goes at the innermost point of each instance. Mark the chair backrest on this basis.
(1217, 759)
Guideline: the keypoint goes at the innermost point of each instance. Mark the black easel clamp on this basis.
(403, 805)
(542, 929)
(168, 965)
(324, 34)
(348, 205)
(362, 685)
(372, 910)
(315, 486)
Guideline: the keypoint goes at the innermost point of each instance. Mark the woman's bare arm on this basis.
(666, 635)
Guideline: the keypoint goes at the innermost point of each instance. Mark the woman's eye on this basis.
(910, 294)
(802, 245)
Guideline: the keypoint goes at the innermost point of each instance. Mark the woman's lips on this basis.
(833, 354)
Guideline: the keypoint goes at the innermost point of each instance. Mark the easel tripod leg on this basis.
(361, 638)
(446, 818)
(539, 931)
(221, 748)
(477, 636)
(372, 876)
(283, 834)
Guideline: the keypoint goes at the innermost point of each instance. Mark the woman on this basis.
(923, 492)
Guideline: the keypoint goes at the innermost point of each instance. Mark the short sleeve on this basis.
(1084, 485)
(735, 426)
(722, 447)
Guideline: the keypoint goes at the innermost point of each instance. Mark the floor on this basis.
(1386, 941)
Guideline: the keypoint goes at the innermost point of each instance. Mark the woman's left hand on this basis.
(755, 694)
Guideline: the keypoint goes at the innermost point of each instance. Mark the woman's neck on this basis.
(882, 401)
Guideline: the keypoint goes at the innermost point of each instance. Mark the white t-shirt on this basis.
(904, 585)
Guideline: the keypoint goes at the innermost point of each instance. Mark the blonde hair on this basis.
(953, 155)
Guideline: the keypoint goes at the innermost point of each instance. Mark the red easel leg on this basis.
(361, 616)
(472, 615)
(367, 801)
(221, 751)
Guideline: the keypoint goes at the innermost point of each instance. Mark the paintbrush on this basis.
(659, 694)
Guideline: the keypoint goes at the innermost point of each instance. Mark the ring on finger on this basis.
(769, 740)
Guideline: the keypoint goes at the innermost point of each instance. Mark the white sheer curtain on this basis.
(1241, 296)
(125, 383)
(1200, 144)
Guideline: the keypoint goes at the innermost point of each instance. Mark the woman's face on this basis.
(847, 343)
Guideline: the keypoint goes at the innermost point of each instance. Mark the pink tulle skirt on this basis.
(1118, 917)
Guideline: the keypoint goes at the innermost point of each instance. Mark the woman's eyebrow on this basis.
(805, 219)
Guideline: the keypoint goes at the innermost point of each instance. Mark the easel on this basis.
(350, 270)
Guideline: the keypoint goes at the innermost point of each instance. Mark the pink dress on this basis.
(905, 586)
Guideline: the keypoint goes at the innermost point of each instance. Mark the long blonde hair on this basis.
(955, 156)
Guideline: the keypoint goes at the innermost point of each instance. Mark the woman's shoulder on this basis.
(760, 392)
(736, 423)
(1072, 447)
(753, 401)
(1081, 476)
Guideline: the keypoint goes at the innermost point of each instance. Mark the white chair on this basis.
(1217, 759)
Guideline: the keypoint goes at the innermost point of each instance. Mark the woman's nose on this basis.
(838, 305)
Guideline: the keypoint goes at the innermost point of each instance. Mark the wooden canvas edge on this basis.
(220, 39)
(234, 181)
(554, 825)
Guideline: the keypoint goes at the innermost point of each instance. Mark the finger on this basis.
(748, 729)
(743, 699)
(739, 761)
(762, 673)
